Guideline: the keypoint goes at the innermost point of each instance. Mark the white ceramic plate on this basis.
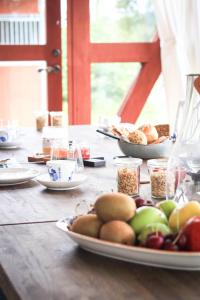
(12, 176)
(78, 179)
(9, 145)
(156, 258)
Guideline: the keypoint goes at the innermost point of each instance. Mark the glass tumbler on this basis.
(162, 183)
(62, 149)
(57, 118)
(41, 119)
(50, 135)
(128, 175)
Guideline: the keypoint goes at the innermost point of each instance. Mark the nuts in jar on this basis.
(162, 184)
(128, 175)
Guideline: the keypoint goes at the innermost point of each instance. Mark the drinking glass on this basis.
(66, 160)
(41, 118)
(50, 135)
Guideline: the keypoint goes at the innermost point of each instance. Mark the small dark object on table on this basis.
(95, 162)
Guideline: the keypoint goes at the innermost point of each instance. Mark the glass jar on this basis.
(85, 149)
(57, 118)
(162, 185)
(185, 156)
(41, 118)
(128, 175)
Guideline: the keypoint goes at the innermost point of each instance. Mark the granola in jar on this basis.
(128, 175)
(162, 183)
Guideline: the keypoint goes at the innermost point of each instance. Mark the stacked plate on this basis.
(9, 145)
(13, 176)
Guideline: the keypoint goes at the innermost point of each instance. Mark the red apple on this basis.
(191, 230)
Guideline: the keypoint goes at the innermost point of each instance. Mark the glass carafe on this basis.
(185, 156)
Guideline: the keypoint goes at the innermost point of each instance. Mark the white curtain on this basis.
(178, 23)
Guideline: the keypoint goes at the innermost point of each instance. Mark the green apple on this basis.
(167, 206)
(146, 215)
(153, 228)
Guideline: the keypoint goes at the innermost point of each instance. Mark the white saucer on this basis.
(13, 176)
(14, 183)
(9, 145)
(78, 179)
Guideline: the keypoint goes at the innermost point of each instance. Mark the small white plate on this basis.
(9, 145)
(144, 256)
(12, 176)
(45, 180)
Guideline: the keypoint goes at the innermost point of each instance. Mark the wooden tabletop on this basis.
(31, 202)
(38, 261)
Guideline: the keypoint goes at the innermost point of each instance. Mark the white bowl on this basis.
(146, 151)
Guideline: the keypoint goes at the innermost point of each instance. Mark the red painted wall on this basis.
(19, 7)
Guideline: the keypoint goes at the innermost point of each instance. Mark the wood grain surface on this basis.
(42, 263)
(38, 261)
(32, 202)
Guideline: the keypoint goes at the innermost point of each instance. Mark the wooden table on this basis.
(38, 261)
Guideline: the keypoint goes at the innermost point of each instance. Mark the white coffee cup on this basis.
(3, 136)
(61, 170)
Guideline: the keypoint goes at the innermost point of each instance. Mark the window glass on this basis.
(122, 20)
(155, 110)
(110, 84)
(22, 22)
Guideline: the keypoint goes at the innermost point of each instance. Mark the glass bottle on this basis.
(185, 156)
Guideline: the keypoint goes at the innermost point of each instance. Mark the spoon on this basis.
(113, 136)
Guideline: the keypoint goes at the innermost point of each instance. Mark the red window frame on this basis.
(43, 52)
(81, 53)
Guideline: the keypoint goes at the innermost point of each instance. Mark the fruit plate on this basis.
(156, 258)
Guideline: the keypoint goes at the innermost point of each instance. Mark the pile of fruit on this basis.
(118, 218)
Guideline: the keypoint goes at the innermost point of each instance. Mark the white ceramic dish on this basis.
(146, 151)
(78, 179)
(12, 176)
(157, 258)
(149, 151)
(9, 145)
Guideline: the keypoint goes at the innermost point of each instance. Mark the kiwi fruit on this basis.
(117, 232)
(115, 206)
(87, 225)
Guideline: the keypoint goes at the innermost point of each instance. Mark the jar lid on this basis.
(161, 162)
(131, 161)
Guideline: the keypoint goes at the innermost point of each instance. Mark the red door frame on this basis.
(81, 53)
(43, 52)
